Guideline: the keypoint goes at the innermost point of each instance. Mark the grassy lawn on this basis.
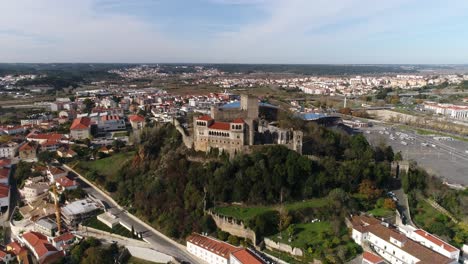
(244, 213)
(304, 234)
(108, 166)
(424, 214)
(118, 230)
(381, 212)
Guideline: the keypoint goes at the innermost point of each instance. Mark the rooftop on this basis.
(79, 207)
(136, 118)
(80, 123)
(372, 258)
(435, 240)
(374, 226)
(219, 248)
(244, 256)
(220, 125)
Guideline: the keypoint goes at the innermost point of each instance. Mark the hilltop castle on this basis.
(236, 127)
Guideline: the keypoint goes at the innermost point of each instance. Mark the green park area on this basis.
(108, 166)
(245, 213)
(381, 212)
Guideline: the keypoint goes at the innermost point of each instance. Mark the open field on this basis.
(107, 166)
(244, 213)
(304, 234)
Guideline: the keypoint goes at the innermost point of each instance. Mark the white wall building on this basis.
(8, 150)
(393, 245)
(450, 110)
(214, 251)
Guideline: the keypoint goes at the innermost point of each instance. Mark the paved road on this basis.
(403, 206)
(157, 240)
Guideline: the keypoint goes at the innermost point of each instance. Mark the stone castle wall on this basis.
(272, 245)
(233, 227)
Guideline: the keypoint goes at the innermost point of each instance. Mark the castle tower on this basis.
(297, 141)
(249, 103)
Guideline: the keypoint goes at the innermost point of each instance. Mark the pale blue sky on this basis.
(235, 31)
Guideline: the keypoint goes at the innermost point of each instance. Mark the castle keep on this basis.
(235, 127)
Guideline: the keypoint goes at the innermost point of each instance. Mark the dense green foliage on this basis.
(90, 251)
(419, 185)
(163, 186)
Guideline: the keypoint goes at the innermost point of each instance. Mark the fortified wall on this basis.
(233, 227)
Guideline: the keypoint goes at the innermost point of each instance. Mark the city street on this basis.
(158, 241)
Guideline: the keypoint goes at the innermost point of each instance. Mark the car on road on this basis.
(404, 143)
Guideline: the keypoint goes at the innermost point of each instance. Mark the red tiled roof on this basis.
(47, 136)
(245, 257)
(374, 226)
(372, 258)
(55, 171)
(2, 254)
(435, 240)
(53, 258)
(4, 190)
(16, 247)
(26, 146)
(136, 118)
(5, 162)
(64, 237)
(220, 126)
(80, 123)
(238, 121)
(4, 173)
(39, 243)
(205, 118)
(65, 182)
(110, 117)
(217, 247)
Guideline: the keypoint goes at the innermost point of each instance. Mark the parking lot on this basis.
(443, 157)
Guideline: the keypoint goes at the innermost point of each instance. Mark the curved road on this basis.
(159, 241)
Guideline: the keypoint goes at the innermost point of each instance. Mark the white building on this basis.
(33, 191)
(393, 245)
(4, 195)
(78, 211)
(214, 251)
(8, 150)
(111, 123)
(450, 110)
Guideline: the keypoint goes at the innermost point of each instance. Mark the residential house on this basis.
(5, 175)
(4, 195)
(40, 247)
(46, 226)
(19, 251)
(66, 153)
(53, 173)
(6, 257)
(33, 191)
(66, 184)
(8, 150)
(137, 121)
(63, 241)
(80, 128)
(28, 152)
